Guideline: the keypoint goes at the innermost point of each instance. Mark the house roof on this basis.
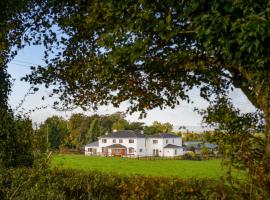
(116, 146)
(163, 135)
(124, 134)
(210, 145)
(93, 144)
(172, 146)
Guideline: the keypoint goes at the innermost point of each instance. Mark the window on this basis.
(155, 141)
(130, 150)
(141, 150)
(114, 140)
(89, 149)
(131, 141)
(175, 152)
(167, 141)
(120, 141)
(173, 141)
(104, 141)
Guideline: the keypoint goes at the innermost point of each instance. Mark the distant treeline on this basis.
(80, 129)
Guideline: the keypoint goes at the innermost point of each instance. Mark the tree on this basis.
(152, 52)
(24, 143)
(158, 127)
(10, 36)
(78, 125)
(94, 131)
(135, 126)
(238, 136)
(55, 128)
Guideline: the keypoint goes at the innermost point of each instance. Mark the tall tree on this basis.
(152, 52)
(158, 127)
(94, 131)
(55, 128)
(11, 32)
(24, 142)
(78, 127)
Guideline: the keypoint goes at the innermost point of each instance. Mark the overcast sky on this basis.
(182, 115)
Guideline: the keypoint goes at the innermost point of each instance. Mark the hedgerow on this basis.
(33, 184)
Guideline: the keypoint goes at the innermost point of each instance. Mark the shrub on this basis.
(190, 155)
(72, 184)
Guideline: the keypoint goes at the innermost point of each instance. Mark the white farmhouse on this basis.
(130, 143)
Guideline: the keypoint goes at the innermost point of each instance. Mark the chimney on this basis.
(114, 130)
(142, 132)
(106, 133)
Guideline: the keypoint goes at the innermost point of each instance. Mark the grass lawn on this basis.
(182, 168)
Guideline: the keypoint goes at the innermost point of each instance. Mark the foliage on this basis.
(14, 149)
(158, 127)
(151, 53)
(45, 183)
(135, 126)
(78, 127)
(189, 155)
(192, 136)
(54, 129)
(238, 136)
(94, 131)
(24, 143)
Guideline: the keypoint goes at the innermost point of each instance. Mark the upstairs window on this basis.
(104, 141)
(167, 141)
(155, 141)
(120, 141)
(131, 141)
(114, 140)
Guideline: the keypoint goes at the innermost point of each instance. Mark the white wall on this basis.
(162, 142)
(171, 152)
(86, 150)
(138, 143)
(151, 146)
(141, 145)
(145, 144)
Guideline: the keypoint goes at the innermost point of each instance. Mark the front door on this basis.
(155, 152)
(123, 152)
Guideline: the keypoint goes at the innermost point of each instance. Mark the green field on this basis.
(181, 168)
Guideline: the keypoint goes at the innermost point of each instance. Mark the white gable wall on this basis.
(141, 147)
(151, 146)
(137, 143)
(170, 152)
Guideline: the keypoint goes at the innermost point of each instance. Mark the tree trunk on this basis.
(267, 146)
(263, 98)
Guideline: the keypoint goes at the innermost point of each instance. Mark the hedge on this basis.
(72, 184)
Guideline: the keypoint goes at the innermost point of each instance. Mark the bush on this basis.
(190, 155)
(71, 184)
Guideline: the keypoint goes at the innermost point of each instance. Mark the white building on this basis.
(130, 143)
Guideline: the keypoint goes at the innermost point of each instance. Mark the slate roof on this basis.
(116, 146)
(124, 134)
(210, 145)
(163, 135)
(93, 144)
(172, 146)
